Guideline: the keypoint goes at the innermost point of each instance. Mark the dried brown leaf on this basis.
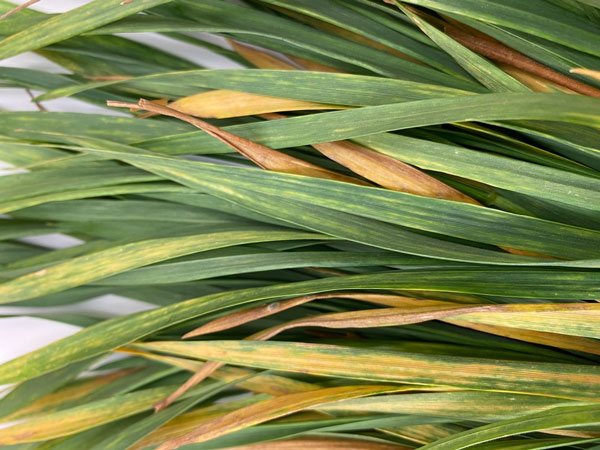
(389, 172)
(496, 51)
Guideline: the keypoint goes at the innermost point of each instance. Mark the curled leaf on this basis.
(250, 314)
(389, 172)
(261, 155)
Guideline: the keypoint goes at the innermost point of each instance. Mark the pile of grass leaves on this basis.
(380, 232)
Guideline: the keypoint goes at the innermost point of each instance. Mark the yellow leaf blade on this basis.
(223, 103)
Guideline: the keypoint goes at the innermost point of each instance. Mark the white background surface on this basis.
(23, 334)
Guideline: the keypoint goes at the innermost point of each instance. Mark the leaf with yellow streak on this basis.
(53, 401)
(537, 337)
(271, 409)
(187, 422)
(250, 314)
(95, 266)
(571, 381)
(80, 418)
(266, 383)
(322, 444)
(576, 319)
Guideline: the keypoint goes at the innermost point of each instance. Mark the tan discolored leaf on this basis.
(18, 8)
(415, 311)
(260, 58)
(384, 317)
(230, 320)
(222, 103)
(389, 172)
(248, 315)
(423, 434)
(534, 82)
(386, 171)
(571, 318)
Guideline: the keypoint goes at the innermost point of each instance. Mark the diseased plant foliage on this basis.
(382, 229)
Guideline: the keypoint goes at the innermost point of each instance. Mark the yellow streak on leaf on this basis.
(568, 381)
(52, 401)
(537, 337)
(271, 409)
(75, 419)
(579, 319)
(419, 310)
(321, 444)
(225, 322)
(261, 383)
(189, 421)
